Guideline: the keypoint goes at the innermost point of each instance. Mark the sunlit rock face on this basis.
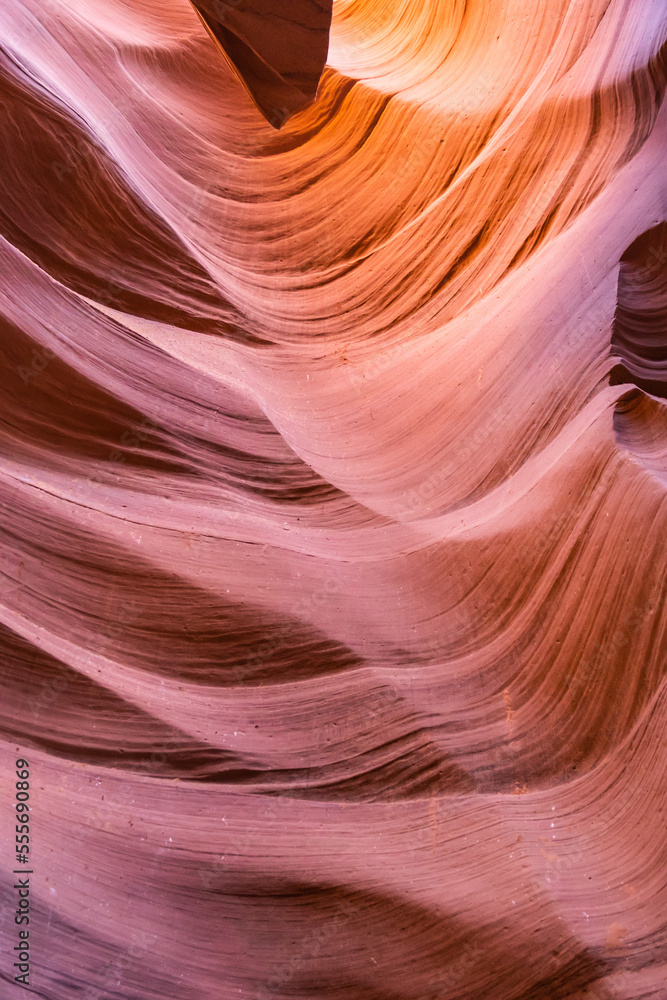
(333, 468)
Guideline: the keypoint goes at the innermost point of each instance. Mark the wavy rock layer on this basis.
(333, 470)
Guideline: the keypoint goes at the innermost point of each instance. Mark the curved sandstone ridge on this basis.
(333, 469)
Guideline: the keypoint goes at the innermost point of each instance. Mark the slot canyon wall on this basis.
(333, 478)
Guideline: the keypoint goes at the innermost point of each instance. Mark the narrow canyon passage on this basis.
(333, 499)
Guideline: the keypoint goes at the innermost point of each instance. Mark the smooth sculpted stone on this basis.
(333, 499)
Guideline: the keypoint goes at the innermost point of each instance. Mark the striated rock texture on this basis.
(333, 474)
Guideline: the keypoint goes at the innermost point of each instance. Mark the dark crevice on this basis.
(639, 333)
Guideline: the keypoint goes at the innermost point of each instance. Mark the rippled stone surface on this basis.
(333, 464)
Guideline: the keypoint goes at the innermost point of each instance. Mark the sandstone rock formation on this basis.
(333, 470)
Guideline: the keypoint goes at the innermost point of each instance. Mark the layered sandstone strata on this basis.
(333, 462)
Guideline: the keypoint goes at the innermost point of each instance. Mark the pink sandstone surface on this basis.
(333, 490)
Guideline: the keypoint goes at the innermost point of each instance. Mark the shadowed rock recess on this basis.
(333, 498)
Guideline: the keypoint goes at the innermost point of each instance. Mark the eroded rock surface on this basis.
(332, 469)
